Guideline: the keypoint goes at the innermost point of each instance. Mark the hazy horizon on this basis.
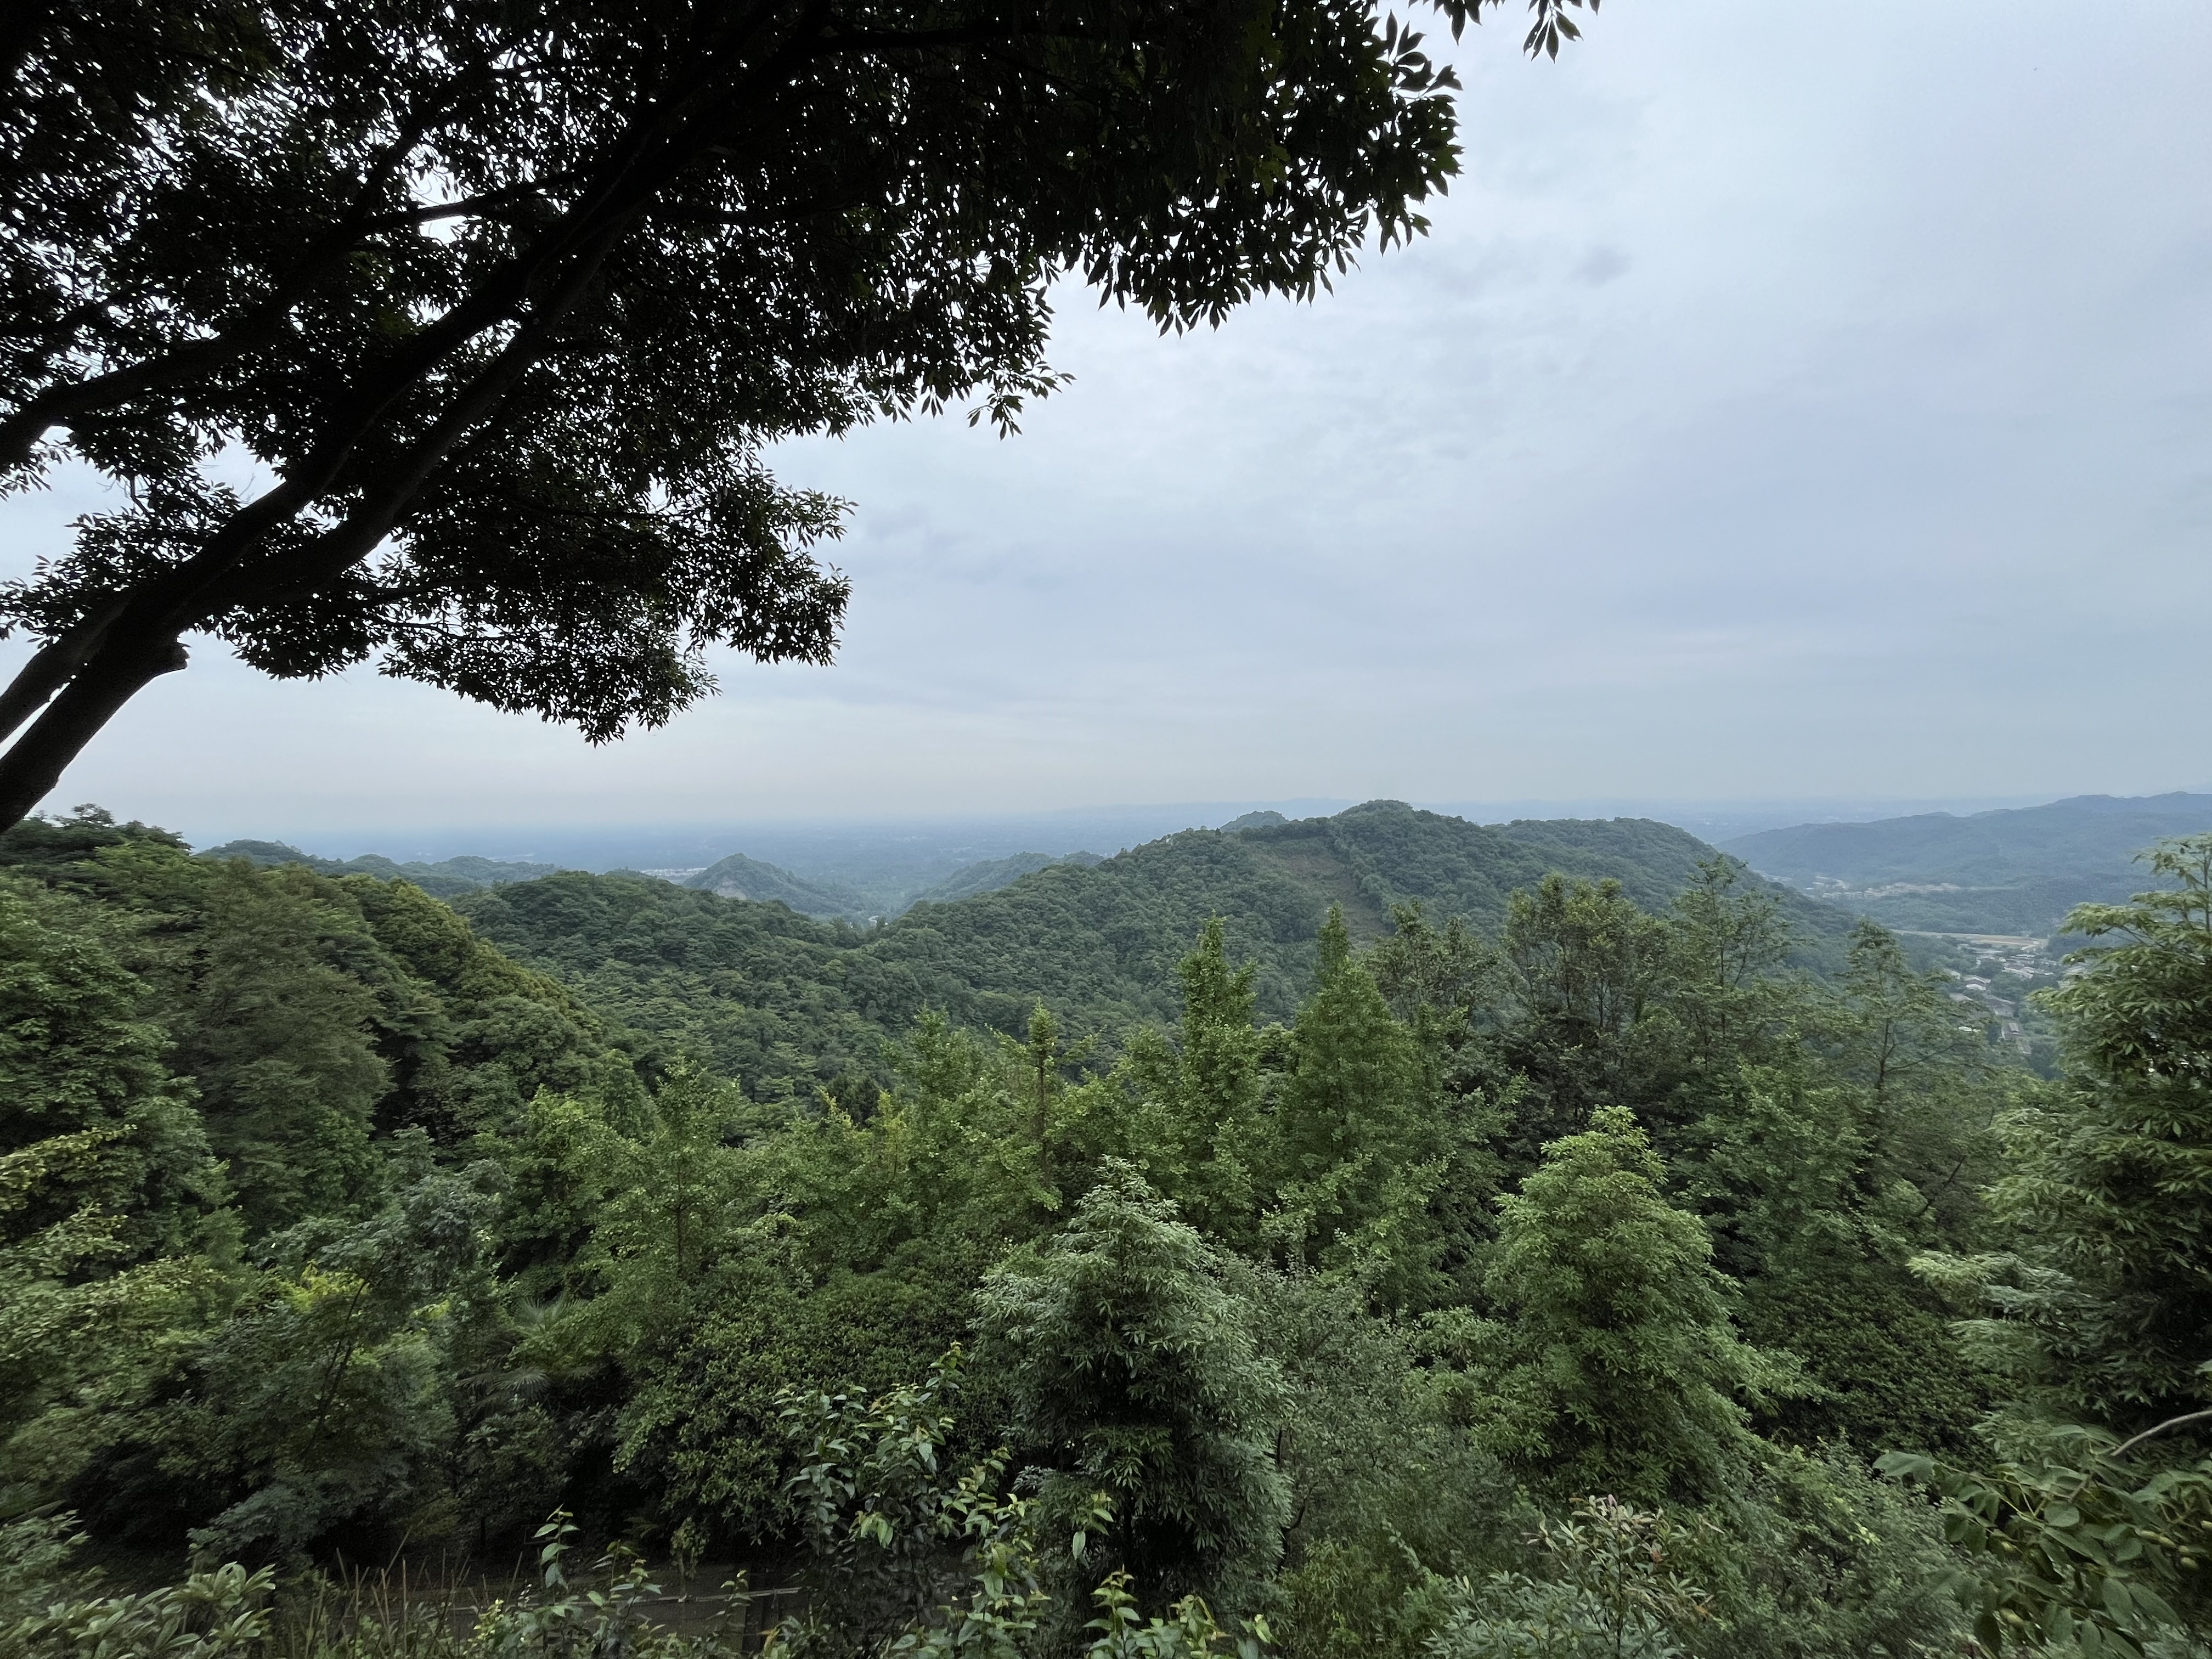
(1104, 829)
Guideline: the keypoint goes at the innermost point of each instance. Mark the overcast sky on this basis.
(1792, 400)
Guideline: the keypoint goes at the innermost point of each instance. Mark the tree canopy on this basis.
(507, 300)
(1544, 1285)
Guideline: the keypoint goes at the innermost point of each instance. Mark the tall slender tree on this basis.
(2101, 1310)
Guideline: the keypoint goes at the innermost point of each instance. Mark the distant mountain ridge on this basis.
(734, 877)
(442, 880)
(2017, 870)
(787, 1003)
(739, 876)
(742, 878)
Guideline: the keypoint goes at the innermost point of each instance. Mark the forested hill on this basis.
(737, 876)
(2017, 870)
(785, 1002)
(1108, 937)
(988, 875)
(441, 879)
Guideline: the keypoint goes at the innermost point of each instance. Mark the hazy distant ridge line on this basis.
(2013, 870)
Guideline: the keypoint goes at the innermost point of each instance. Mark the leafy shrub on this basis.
(1134, 1372)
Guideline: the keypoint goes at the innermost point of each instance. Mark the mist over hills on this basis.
(2015, 871)
(2010, 870)
(861, 868)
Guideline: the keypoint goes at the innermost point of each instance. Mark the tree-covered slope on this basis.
(988, 875)
(1107, 938)
(2017, 870)
(786, 1002)
(741, 878)
(310, 1017)
(783, 1002)
(443, 878)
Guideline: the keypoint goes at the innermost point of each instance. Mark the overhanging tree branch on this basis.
(764, 217)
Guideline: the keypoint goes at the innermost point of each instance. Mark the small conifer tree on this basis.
(1619, 1370)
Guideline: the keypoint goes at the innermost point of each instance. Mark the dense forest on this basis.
(1369, 1235)
(783, 1004)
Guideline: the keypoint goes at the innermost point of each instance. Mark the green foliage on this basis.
(1103, 941)
(1586, 963)
(1615, 1362)
(1131, 1371)
(2075, 1547)
(1611, 1588)
(889, 1528)
(79, 1060)
(443, 878)
(2098, 1307)
(1248, 1313)
(1822, 1132)
(112, 1231)
(1798, 1172)
(279, 1036)
(1189, 1631)
(784, 1003)
(1370, 1442)
(1812, 1555)
(318, 1382)
(739, 876)
(312, 1015)
(988, 875)
(1930, 1091)
(1200, 1098)
(222, 1611)
(777, 1002)
(2101, 1303)
(882, 1520)
(327, 1395)
(1374, 1596)
(1351, 1125)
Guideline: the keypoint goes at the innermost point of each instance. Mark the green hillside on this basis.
(781, 1001)
(786, 1002)
(741, 878)
(988, 875)
(441, 879)
(334, 1232)
(2017, 870)
(1108, 937)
